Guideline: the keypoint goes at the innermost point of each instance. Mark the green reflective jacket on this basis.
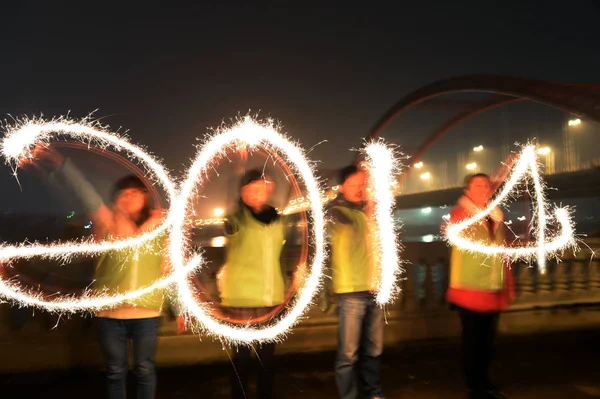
(476, 271)
(351, 260)
(251, 276)
(130, 269)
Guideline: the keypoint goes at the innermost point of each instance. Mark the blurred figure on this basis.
(129, 214)
(479, 287)
(360, 330)
(251, 283)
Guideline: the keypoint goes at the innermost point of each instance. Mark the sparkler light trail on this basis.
(526, 166)
(17, 145)
(21, 139)
(383, 167)
(246, 133)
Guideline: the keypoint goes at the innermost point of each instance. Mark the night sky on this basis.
(167, 73)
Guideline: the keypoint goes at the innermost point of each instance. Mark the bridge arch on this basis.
(582, 100)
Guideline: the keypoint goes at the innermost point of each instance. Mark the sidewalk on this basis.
(565, 365)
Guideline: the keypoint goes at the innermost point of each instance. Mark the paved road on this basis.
(563, 365)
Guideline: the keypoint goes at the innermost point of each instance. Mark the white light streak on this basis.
(17, 144)
(383, 167)
(246, 132)
(527, 166)
(22, 138)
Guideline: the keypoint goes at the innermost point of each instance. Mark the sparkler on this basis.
(17, 145)
(22, 138)
(526, 166)
(246, 133)
(383, 165)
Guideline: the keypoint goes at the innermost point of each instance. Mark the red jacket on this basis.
(480, 301)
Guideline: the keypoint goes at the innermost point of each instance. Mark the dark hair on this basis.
(470, 178)
(251, 176)
(346, 172)
(132, 181)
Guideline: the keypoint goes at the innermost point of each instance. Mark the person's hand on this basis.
(300, 274)
(43, 156)
(181, 324)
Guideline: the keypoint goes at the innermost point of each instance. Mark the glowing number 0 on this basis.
(252, 134)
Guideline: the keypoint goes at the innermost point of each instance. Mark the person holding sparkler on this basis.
(129, 214)
(479, 286)
(360, 330)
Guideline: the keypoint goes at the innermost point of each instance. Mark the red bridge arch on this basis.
(582, 100)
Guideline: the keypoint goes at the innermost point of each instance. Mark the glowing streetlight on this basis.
(574, 122)
(478, 148)
(471, 166)
(428, 238)
(544, 151)
(425, 176)
(426, 210)
(218, 242)
(418, 165)
(218, 212)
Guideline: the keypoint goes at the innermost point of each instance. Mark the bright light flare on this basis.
(574, 122)
(526, 166)
(383, 167)
(425, 176)
(17, 144)
(478, 148)
(471, 166)
(251, 133)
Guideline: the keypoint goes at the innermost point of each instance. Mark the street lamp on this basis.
(478, 148)
(574, 122)
(471, 166)
(218, 212)
(418, 165)
(425, 176)
(544, 151)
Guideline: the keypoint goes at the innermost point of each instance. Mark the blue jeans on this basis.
(114, 339)
(360, 340)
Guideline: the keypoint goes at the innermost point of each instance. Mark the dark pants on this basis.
(242, 368)
(478, 333)
(114, 339)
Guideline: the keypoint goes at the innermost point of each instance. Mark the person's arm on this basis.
(66, 170)
(231, 224)
(502, 172)
(101, 215)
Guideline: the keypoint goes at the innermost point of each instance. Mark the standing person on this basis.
(251, 283)
(129, 214)
(360, 330)
(480, 286)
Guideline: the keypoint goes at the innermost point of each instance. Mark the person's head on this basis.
(130, 194)
(353, 184)
(478, 189)
(256, 188)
